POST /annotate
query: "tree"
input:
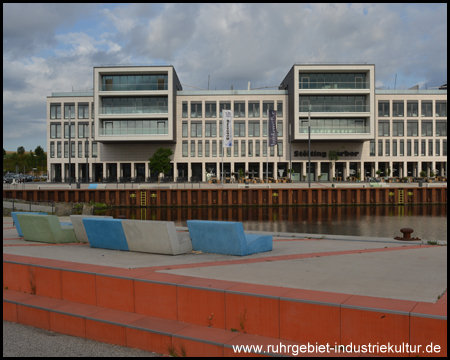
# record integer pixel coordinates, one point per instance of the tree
(160, 161)
(39, 151)
(21, 150)
(4, 152)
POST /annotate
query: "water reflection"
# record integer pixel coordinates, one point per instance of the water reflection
(428, 221)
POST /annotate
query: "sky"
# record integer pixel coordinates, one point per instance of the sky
(54, 47)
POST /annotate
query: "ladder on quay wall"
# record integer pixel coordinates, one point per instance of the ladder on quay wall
(400, 197)
(144, 198)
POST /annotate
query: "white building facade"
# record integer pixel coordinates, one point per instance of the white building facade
(134, 110)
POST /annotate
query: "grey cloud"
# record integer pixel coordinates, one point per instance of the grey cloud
(27, 28)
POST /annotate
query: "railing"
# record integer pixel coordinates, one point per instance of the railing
(336, 130)
(334, 108)
(131, 131)
(161, 109)
(133, 87)
(325, 85)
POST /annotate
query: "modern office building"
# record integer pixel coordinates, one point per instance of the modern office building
(133, 110)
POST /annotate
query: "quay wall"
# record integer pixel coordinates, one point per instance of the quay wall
(237, 197)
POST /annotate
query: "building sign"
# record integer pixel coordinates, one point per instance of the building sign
(227, 128)
(272, 127)
(324, 154)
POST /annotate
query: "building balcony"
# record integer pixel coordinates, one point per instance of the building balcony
(333, 85)
(334, 108)
(126, 110)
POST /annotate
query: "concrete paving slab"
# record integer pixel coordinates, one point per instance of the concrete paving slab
(413, 274)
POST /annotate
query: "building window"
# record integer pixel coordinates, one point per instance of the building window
(207, 148)
(253, 109)
(229, 151)
(86, 149)
(272, 150)
(94, 149)
(423, 149)
(383, 108)
(220, 148)
(408, 148)
(55, 131)
(333, 104)
(250, 148)
(185, 148)
(134, 82)
(416, 147)
(427, 110)
(92, 110)
(257, 148)
(80, 149)
(267, 106)
(236, 148)
(398, 128)
(441, 128)
(438, 148)
(387, 147)
(210, 129)
(185, 129)
(196, 129)
(372, 147)
(398, 109)
(52, 149)
(214, 148)
(55, 111)
(441, 108)
(239, 129)
(412, 108)
(220, 128)
(242, 148)
(412, 128)
(253, 129)
(58, 149)
(83, 131)
(264, 128)
(280, 148)
(402, 147)
(279, 108)
(72, 131)
(72, 148)
(224, 106)
(135, 105)
(66, 149)
(92, 129)
(196, 109)
(430, 147)
(280, 129)
(444, 147)
(67, 109)
(239, 109)
(200, 149)
(184, 109)
(83, 111)
(383, 128)
(265, 148)
(192, 148)
(427, 128)
(210, 110)
(394, 147)
(380, 147)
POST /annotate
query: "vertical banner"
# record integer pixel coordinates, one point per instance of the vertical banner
(272, 128)
(227, 128)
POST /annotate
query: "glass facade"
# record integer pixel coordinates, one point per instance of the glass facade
(134, 82)
(134, 127)
(333, 104)
(335, 126)
(134, 105)
(333, 81)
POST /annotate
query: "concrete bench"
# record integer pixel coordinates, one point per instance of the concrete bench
(78, 225)
(225, 237)
(157, 237)
(16, 221)
(45, 229)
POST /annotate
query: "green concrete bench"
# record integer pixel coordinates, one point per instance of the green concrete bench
(45, 229)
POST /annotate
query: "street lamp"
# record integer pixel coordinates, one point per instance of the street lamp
(70, 147)
(309, 147)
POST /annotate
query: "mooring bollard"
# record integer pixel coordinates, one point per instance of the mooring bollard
(406, 235)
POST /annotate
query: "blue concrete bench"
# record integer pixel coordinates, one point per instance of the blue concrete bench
(157, 237)
(225, 237)
(16, 221)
